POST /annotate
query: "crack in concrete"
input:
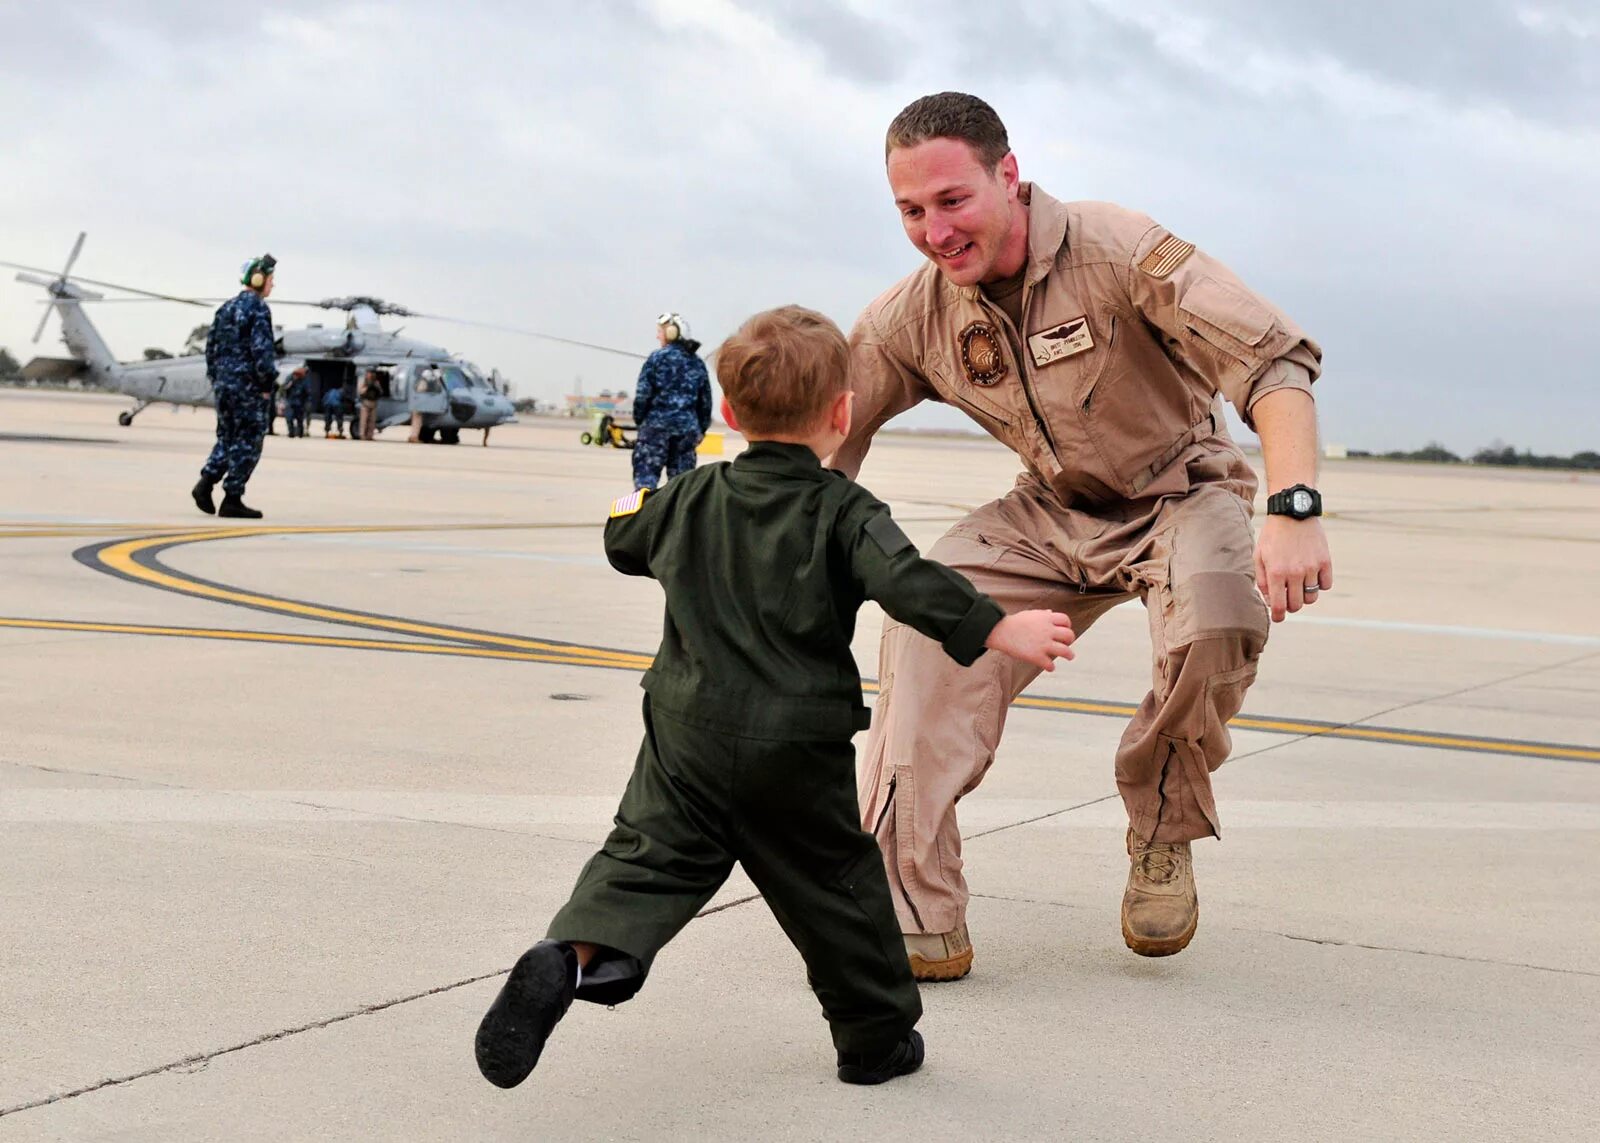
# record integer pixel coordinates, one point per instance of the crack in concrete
(199, 1060)
(1039, 818)
(1333, 942)
(1337, 943)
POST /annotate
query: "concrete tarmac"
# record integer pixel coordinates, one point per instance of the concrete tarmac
(279, 804)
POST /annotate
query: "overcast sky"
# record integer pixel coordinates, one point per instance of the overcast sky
(1416, 181)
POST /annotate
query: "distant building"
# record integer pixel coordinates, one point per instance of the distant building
(583, 405)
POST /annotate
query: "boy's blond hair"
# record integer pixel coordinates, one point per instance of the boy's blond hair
(782, 370)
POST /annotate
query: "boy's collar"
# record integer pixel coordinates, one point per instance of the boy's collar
(780, 456)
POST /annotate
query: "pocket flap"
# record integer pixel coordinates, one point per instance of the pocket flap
(1229, 309)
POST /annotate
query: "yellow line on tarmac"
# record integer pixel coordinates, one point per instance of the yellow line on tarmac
(120, 558)
(579, 657)
(1365, 733)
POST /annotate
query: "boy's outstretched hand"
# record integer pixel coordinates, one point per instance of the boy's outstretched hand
(1037, 637)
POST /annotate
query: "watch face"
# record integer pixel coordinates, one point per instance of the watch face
(1300, 502)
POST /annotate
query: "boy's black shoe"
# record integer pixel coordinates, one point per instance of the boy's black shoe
(903, 1059)
(531, 1003)
(234, 505)
(203, 499)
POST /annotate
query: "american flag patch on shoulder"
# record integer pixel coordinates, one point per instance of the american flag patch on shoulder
(1166, 256)
(628, 505)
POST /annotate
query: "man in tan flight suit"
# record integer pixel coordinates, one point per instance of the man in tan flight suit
(1093, 343)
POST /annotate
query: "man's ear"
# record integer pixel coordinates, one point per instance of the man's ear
(839, 413)
(727, 415)
(1010, 175)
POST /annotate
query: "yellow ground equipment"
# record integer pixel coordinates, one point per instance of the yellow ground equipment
(607, 430)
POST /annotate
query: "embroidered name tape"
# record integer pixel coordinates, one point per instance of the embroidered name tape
(1064, 340)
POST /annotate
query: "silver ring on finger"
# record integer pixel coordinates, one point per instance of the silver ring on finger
(1310, 589)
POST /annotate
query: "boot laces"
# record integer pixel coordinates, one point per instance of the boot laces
(1158, 863)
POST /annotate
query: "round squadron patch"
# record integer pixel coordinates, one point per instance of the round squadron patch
(981, 356)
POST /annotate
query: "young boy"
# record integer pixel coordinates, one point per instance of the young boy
(749, 712)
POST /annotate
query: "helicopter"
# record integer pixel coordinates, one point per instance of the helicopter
(442, 391)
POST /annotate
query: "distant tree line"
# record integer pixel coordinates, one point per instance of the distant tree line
(1504, 455)
(8, 364)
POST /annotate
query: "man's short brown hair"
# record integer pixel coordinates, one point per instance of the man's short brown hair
(951, 115)
(782, 369)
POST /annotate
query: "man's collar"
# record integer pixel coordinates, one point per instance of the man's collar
(1047, 233)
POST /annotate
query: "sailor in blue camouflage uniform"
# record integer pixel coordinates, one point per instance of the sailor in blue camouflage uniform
(671, 405)
(242, 367)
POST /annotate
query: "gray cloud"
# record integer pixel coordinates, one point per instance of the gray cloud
(1419, 191)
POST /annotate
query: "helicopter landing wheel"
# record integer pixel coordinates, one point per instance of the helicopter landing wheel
(124, 419)
(450, 436)
(586, 438)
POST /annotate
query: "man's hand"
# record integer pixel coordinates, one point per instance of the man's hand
(1037, 637)
(1293, 566)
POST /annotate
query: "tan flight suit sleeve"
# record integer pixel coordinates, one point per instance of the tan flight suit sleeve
(884, 388)
(1215, 324)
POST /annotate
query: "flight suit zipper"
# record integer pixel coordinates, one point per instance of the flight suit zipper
(1016, 353)
(877, 827)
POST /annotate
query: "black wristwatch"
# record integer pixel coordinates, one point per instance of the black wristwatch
(1298, 502)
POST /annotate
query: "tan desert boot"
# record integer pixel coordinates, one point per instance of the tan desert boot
(1160, 909)
(939, 956)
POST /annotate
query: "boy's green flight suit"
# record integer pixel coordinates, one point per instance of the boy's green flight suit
(749, 712)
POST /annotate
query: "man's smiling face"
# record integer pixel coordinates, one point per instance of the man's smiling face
(964, 217)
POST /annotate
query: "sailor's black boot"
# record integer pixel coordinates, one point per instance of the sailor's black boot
(233, 505)
(202, 497)
(532, 1002)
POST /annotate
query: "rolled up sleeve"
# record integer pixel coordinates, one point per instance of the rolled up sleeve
(1219, 327)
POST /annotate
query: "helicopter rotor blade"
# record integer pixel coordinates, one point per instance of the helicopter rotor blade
(77, 248)
(110, 285)
(43, 318)
(531, 333)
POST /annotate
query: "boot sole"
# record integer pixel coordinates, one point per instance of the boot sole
(513, 1032)
(902, 1065)
(1165, 946)
(953, 968)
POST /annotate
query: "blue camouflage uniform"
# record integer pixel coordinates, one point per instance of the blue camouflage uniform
(242, 365)
(296, 398)
(672, 407)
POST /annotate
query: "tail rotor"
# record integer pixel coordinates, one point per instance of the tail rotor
(77, 248)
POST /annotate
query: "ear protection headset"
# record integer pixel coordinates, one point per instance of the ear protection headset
(674, 324)
(258, 270)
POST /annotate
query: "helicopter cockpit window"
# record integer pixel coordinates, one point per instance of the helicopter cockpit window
(454, 379)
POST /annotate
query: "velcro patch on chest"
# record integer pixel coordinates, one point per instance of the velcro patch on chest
(1064, 340)
(1166, 256)
(887, 535)
(628, 505)
(981, 355)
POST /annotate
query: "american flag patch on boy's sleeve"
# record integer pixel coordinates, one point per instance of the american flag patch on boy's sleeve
(628, 505)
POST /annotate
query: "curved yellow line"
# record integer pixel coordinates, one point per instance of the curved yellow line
(638, 662)
(120, 558)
